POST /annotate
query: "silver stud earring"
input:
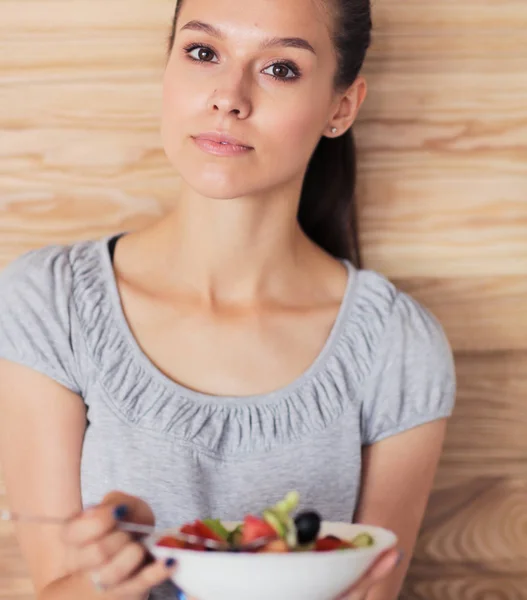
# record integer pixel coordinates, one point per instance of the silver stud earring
(333, 130)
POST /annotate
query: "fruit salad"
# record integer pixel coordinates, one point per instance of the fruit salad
(275, 528)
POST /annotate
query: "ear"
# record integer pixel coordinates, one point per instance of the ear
(346, 108)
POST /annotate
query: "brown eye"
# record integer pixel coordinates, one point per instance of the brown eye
(283, 71)
(205, 54)
(202, 54)
(280, 71)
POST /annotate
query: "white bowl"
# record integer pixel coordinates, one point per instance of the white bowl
(292, 576)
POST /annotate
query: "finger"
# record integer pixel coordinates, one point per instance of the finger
(102, 551)
(137, 510)
(385, 565)
(123, 565)
(91, 526)
(147, 578)
(382, 568)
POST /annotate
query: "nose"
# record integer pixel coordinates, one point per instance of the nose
(231, 97)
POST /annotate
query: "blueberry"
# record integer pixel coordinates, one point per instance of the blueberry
(307, 527)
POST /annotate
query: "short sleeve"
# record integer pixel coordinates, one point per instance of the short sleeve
(413, 380)
(35, 314)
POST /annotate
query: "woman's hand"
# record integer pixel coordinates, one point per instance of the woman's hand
(111, 558)
(381, 569)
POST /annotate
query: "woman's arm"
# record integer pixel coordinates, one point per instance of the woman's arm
(398, 475)
(41, 433)
(42, 428)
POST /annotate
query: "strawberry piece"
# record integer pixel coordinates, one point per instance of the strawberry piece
(197, 547)
(188, 529)
(170, 542)
(200, 530)
(255, 528)
(328, 543)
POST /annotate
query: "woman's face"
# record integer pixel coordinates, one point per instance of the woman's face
(248, 92)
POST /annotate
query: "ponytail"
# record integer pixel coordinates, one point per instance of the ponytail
(327, 212)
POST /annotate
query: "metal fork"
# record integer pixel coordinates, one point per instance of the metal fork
(7, 515)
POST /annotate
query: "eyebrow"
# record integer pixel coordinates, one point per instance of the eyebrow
(275, 42)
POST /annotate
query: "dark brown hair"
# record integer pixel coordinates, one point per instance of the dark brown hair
(328, 211)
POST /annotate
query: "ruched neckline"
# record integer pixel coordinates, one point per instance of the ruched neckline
(149, 399)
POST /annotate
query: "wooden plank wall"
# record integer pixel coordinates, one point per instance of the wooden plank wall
(443, 170)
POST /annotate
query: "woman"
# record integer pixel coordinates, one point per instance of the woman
(234, 350)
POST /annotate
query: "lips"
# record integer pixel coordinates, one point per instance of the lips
(222, 138)
(221, 144)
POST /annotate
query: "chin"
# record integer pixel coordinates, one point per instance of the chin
(220, 187)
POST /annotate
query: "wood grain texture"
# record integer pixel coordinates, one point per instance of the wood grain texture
(478, 313)
(476, 531)
(442, 187)
(443, 140)
(473, 540)
(488, 435)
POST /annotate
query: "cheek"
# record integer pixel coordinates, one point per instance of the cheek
(302, 124)
(297, 129)
(178, 101)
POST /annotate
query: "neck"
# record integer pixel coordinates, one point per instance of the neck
(231, 249)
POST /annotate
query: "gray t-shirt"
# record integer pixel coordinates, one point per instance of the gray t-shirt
(385, 368)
